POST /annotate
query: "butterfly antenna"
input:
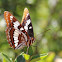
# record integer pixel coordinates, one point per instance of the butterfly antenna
(42, 32)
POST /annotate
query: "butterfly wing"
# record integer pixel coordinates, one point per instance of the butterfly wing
(15, 32)
(27, 24)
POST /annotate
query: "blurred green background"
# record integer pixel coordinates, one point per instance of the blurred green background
(46, 17)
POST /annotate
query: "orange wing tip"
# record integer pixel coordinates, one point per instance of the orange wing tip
(5, 12)
(25, 14)
(26, 11)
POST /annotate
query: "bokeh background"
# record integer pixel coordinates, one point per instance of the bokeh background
(46, 17)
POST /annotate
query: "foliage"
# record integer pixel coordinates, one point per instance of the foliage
(24, 58)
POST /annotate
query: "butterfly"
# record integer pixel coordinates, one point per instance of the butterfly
(19, 34)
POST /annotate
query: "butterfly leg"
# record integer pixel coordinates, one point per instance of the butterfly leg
(27, 50)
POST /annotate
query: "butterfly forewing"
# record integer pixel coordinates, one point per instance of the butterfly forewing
(27, 24)
(14, 32)
(9, 18)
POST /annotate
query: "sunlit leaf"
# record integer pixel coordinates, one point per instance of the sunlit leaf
(50, 57)
(38, 57)
(26, 56)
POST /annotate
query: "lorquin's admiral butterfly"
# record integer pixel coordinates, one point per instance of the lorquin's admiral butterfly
(19, 34)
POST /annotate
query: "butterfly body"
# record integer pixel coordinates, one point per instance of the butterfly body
(19, 34)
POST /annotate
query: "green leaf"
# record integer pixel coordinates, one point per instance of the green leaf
(50, 57)
(26, 56)
(20, 58)
(5, 58)
(38, 57)
(30, 51)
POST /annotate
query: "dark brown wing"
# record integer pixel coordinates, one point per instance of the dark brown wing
(27, 24)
